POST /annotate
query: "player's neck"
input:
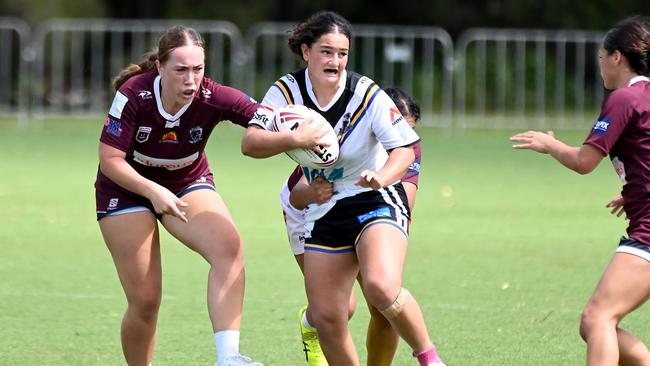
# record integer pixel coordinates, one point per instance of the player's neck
(324, 93)
(170, 105)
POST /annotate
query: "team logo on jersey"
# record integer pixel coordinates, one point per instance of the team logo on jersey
(290, 78)
(206, 93)
(345, 124)
(113, 127)
(196, 134)
(601, 126)
(144, 94)
(143, 134)
(395, 116)
(170, 137)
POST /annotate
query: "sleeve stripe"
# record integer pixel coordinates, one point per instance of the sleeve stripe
(280, 84)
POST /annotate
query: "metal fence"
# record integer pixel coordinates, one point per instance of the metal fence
(501, 78)
(527, 78)
(75, 60)
(14, 37)
(418, 59)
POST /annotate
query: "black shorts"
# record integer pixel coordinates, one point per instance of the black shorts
(340, 229)
(124, 202)
(634, 247)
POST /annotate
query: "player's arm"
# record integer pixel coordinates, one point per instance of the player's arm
(113, 165)
(261, 143)
(303, 194)
(398, 162)
(411, 191)
(583, 159)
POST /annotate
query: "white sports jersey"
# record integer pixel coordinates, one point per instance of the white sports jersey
(365, 119)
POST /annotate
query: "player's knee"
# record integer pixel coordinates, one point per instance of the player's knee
(145, 306)
(326, 319)
(397, 306)
(352, 306)
(595, 317)
(379, 294)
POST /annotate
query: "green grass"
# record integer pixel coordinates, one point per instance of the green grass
(506, 247)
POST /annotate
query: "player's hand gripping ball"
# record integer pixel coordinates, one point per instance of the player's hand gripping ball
(289, 118)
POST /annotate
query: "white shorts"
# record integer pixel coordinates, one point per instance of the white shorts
(295, 222)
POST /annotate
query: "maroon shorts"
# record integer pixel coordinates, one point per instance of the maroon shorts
(111, 199)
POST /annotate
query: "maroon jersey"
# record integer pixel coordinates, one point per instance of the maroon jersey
(623, 132)
(166, 149)
(413, 173)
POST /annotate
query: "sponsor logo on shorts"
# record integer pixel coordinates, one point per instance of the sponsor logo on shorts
(380, 212)
(112, 203)
(196, 134)
(113, 127)
(601, 126)
(143, 134)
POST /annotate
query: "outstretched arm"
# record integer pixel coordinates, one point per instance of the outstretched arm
(583, 159)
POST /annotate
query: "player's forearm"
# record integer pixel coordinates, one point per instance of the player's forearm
(398, 162)
(120, 172)
(258, 143)
(571, 157)
(301, 196)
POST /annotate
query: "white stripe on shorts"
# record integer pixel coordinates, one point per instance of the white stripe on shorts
(634, 251)
(399, 213)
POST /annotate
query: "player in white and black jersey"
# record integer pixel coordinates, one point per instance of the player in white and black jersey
(363, 227)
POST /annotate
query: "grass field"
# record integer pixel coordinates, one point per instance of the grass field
(506, 247)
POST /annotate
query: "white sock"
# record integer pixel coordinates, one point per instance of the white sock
(305, 322)
(227, 342)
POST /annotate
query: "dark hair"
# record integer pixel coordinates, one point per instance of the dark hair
(631, 37)
(172, 38)
(404, 102)
(313, 28)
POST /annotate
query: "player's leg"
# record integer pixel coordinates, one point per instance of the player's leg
(381, 250)
(211, 232)
(632, 352)
(133, 242)
(381, 339)
(329, 278)
(624, 286)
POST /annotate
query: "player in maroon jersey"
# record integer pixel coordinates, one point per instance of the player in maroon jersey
(152, 166)
(622, 131)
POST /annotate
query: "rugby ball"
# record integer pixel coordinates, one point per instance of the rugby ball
(289, 118)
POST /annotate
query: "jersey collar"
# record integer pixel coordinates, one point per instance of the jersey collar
(172, 121)
(310, 91)
(636, 79)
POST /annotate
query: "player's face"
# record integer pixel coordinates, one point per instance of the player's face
(608, 67)
(181, 75)
(327, 58)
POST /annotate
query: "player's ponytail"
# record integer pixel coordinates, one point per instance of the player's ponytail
(148, 63)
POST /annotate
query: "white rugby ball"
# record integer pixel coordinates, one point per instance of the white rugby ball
(289, 117)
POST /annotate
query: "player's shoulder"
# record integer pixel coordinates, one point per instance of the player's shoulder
(625, 97)
(216, 94)
(359, 84)
(140, 85)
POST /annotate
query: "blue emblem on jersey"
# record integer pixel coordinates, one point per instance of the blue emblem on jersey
(601, 126)
(196, 134)
(380, 212)
(113, 127)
